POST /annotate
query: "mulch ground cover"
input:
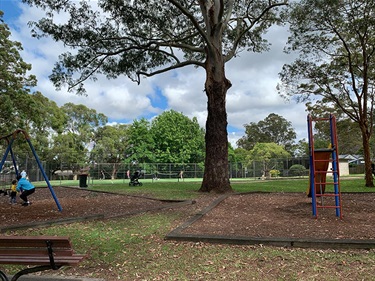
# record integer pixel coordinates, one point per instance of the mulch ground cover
(249, 215)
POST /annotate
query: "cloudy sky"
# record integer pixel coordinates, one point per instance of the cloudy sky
(252, 97)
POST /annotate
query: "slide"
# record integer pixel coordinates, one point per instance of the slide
(321, 166)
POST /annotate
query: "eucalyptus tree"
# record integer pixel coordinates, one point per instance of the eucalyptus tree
(49, 120)
(16, 105)
(71, 145)
(20, 107)
(335, 41)
(348, 131)
(274, 128)
(147, 37)
(109, 145)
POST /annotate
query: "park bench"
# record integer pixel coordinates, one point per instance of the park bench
(41, 252)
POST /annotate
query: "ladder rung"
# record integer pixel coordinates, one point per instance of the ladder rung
(327, 195)
(328, 207)
(327, 182)
(320, 119)
(330, 156)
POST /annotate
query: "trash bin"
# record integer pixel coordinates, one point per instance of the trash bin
(83, 180)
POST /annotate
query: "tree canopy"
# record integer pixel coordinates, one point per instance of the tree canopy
(266, 152)
(274, 128)
(335, 41)
(148, 37)
(16, 105)
(177, 139)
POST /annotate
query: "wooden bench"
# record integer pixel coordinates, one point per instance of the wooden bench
(42, 252)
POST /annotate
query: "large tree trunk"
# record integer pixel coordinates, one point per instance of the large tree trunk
(367, 156)
(216, 173)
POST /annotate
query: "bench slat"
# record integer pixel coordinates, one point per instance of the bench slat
(40, 261)
(41, 252)
(35, 251)
(34, 241)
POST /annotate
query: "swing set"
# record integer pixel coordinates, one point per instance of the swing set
(10, 139)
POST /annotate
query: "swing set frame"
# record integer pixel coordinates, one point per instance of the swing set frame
(10, 139)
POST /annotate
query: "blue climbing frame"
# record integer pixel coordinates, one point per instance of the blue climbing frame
(316, 173)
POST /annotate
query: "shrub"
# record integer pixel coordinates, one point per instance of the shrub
(274, 173)
(297, 170)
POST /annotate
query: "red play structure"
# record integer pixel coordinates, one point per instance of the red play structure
(319, 168)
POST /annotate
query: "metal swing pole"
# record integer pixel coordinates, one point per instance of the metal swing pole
(44, 174)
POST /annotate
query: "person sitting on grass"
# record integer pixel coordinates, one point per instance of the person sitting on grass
(26, 189)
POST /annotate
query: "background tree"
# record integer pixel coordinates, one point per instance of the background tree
(348, 131)
(148, 37)
(266, 152)
(49, 120)
(177, 139)
(301, 149)
(72, 144)
(110, 143)
(141, 146)
(335, 41)
(274, 128)
(19, 106)
(16, 105)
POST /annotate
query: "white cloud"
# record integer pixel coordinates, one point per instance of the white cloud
(252, 97)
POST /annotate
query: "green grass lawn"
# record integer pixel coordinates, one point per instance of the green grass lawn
(172, 189)
(134, 248)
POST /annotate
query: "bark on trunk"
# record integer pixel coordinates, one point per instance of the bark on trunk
(216, 173)
(367, 156)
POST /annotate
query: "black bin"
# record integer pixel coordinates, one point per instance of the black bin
(83, 180)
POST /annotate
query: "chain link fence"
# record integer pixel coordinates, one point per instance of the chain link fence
(294, 167)
(273, 168)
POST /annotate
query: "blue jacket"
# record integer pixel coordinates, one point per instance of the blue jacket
(24, 184)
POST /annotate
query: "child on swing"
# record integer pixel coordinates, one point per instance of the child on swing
(13, 192)
(25, 187)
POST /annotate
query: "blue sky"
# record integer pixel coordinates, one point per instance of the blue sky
(252, 97)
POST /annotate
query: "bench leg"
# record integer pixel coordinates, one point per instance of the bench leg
(3, 277)
(31, 270)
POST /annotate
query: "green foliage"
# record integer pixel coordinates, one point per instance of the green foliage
(335, 45)
(267, 151)
(177, 139)
(241, 154)
(16, 105)
(71, 143)
(274, 173)
(297, 170)
(273, 128)
(110, 143)
(141, 37)
(348, 131)
(301, 149)
(140, 146)
(149, 37)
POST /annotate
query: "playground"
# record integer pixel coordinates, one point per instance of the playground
(138, 227)
(252, 214)
(258, 218)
